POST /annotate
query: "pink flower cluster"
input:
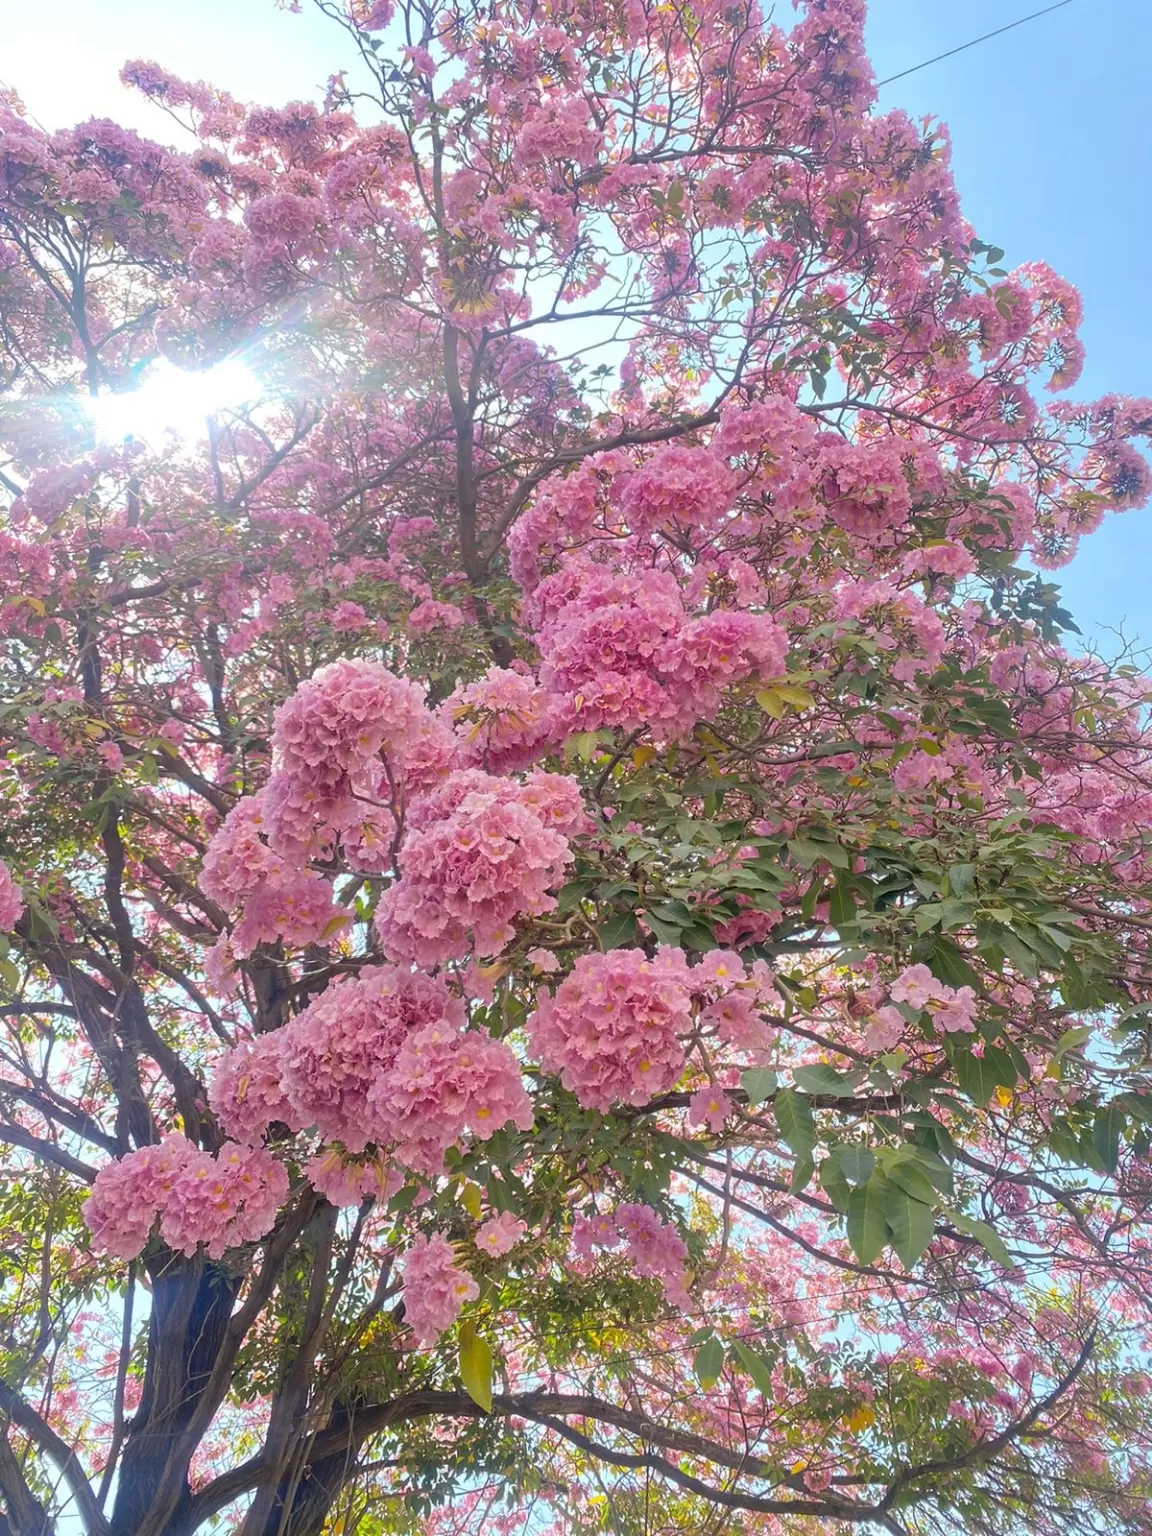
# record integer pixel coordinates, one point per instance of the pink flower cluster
(280, 900)
(655, 1248)
(343, 742)
(613, 1030)
(500, 1234)
(11, 900)
(343, 718)
(442, 1084)
(219, 1201)
(505, 720)
(677, 485)
(953, 1008)
(435, 1288)
(481, 851)
(385, 1059)
(625, 650)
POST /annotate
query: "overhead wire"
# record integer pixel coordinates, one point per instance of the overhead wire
(1060, 4)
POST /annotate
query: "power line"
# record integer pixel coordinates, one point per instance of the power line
(1058, 6)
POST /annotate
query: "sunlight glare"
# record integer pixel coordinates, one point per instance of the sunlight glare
(171, 400)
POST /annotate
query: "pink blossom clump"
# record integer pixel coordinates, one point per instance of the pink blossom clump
(504, 720)
(625, 651)
(11, 900)
(282, 218)
(677, 485)
(481, 852)
(216, 1201)
(435, 1289)
(246, 1089)
(383, 1058)
(613, 1028)
(431, 615)
(500, 1234)
(655, 1249)
(953, 1008)
(344, 716)
(733, 1001)
(318, 1069)
(279, 900)
(442, 1083)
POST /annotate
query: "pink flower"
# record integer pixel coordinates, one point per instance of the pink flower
(956, 1013)
(435, 1289)
(500, 1234)
(885, 1029)
(323, 1068)
(347, 617)
(613, 1028)
(596, 1231)
(504, 721)
(952, 1008)
(111, 756)
(710, 1107)
(216, 1202)
(481, 852)
(441, 1084)
(915, 986)
(246, 1091)
(344, 716)
(283, 217)
(677, 485)
(430, 615)
(11, 900)
(657, 1251)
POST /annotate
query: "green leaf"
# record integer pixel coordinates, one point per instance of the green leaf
(709, 1362)
(759, 1083)
(833, 1182)
(476, 1366)
(802, 1173)
(948, 964)
(987, 1236)
(619, 932)
(842, 904)
(756, 1367)
(585, 743)
(980, 1076)
(794, 1117)
(1106, 1129)
(935, 1169)
(913, 1180)
(822, 1078)
(867, 1225)
(1137, 1104)
(665, 931)
(857, 1163)
(910, 1222)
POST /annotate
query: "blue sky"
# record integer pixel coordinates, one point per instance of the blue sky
(1051, 144)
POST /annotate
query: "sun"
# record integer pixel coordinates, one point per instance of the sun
(172, 401)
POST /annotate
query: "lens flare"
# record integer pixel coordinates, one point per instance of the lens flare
(171, 401)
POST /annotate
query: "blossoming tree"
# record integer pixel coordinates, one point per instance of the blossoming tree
(575, 936)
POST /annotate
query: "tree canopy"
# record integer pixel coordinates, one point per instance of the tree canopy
(576, 913)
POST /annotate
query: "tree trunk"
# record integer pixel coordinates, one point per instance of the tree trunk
(192, 1301)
